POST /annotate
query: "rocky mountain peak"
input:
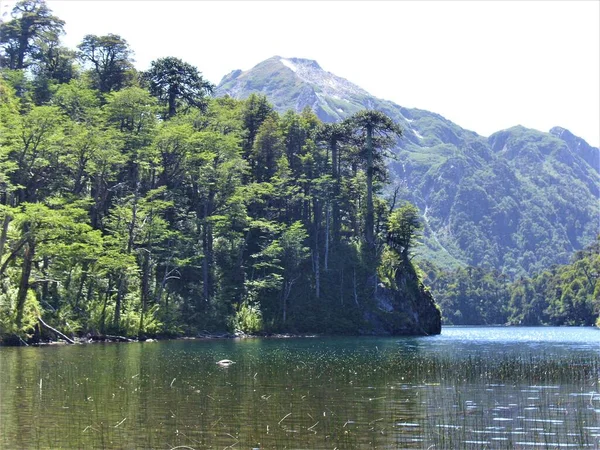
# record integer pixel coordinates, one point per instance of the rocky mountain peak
(579, 146)
(295, 83)
(309, 71)
(295, 63)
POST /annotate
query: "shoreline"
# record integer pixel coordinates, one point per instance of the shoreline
(108, 339)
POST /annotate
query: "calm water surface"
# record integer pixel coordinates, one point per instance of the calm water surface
(468, 388)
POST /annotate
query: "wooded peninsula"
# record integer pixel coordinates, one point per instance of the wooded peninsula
(136, 204)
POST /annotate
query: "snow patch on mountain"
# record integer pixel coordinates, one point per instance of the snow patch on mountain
(289, 64)
(331, 85)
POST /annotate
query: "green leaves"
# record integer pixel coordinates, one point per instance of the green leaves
(109, 57)
(32, 26)
(177, 84)
(404, 228)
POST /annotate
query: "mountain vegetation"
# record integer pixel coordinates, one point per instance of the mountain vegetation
(495, 210)
(560, 295)
(518, 202)
(135, 204)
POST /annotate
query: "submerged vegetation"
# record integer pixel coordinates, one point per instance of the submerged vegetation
(467, 389)
(133, 203)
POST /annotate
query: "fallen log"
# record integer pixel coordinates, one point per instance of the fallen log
(111, 338)
(68, 339)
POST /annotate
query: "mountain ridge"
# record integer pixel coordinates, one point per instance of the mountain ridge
(306, 69)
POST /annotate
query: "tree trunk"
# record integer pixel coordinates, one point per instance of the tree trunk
(66, 338)
(206, 263)
(145, 289)
(4, 235)
(119, 301)
(317, 274)
(172, 105)
(317, 253)
(369, 219)
(354, 286)
(287, 289)
(84, 274)
(207, 248)
(335, 169)
(130, 241)
(45, 283)
(99, 194)
(342, 287)
(24, 283)
(23, 46)
(105, 304)
(327, 216)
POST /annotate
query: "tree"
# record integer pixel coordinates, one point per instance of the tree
(370, 123)
(37, 152)
(132, 111)
(110, 57)
(40, 226)
(112, 220)
(268, 147)
(55, 65)
(177, 83)
(33, 25)
(277, 266)
(78, 101)
(334, 135)
(293, 254)
(255, 111)
(404, 229)
(214, 173)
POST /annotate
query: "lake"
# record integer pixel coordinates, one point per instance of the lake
(470, 387)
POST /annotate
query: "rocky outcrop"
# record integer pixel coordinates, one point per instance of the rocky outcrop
(407, 310)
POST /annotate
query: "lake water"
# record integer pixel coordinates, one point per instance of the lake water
(469, 387)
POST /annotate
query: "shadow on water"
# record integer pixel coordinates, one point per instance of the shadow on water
(468, 388)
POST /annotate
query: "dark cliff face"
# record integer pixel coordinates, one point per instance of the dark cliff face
(409, 310)
(518, 201)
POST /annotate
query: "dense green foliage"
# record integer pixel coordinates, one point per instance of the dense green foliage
(136, 204)
(562, 295)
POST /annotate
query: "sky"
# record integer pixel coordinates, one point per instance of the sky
(485, 65)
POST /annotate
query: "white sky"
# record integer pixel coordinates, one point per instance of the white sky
(484, 65)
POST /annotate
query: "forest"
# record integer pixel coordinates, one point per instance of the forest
(135, 203)
(560, 295)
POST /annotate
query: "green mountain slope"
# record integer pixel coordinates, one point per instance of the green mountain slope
(518, 201)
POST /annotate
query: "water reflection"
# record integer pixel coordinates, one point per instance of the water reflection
(468, 388)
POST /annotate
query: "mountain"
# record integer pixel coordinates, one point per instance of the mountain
(518, 201)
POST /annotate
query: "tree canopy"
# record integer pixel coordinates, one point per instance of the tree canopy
(110, 59)
(176, 83)
(23, 38)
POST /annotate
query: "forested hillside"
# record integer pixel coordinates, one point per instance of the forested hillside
(135, 203)
(517, 202)
(560, 295)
